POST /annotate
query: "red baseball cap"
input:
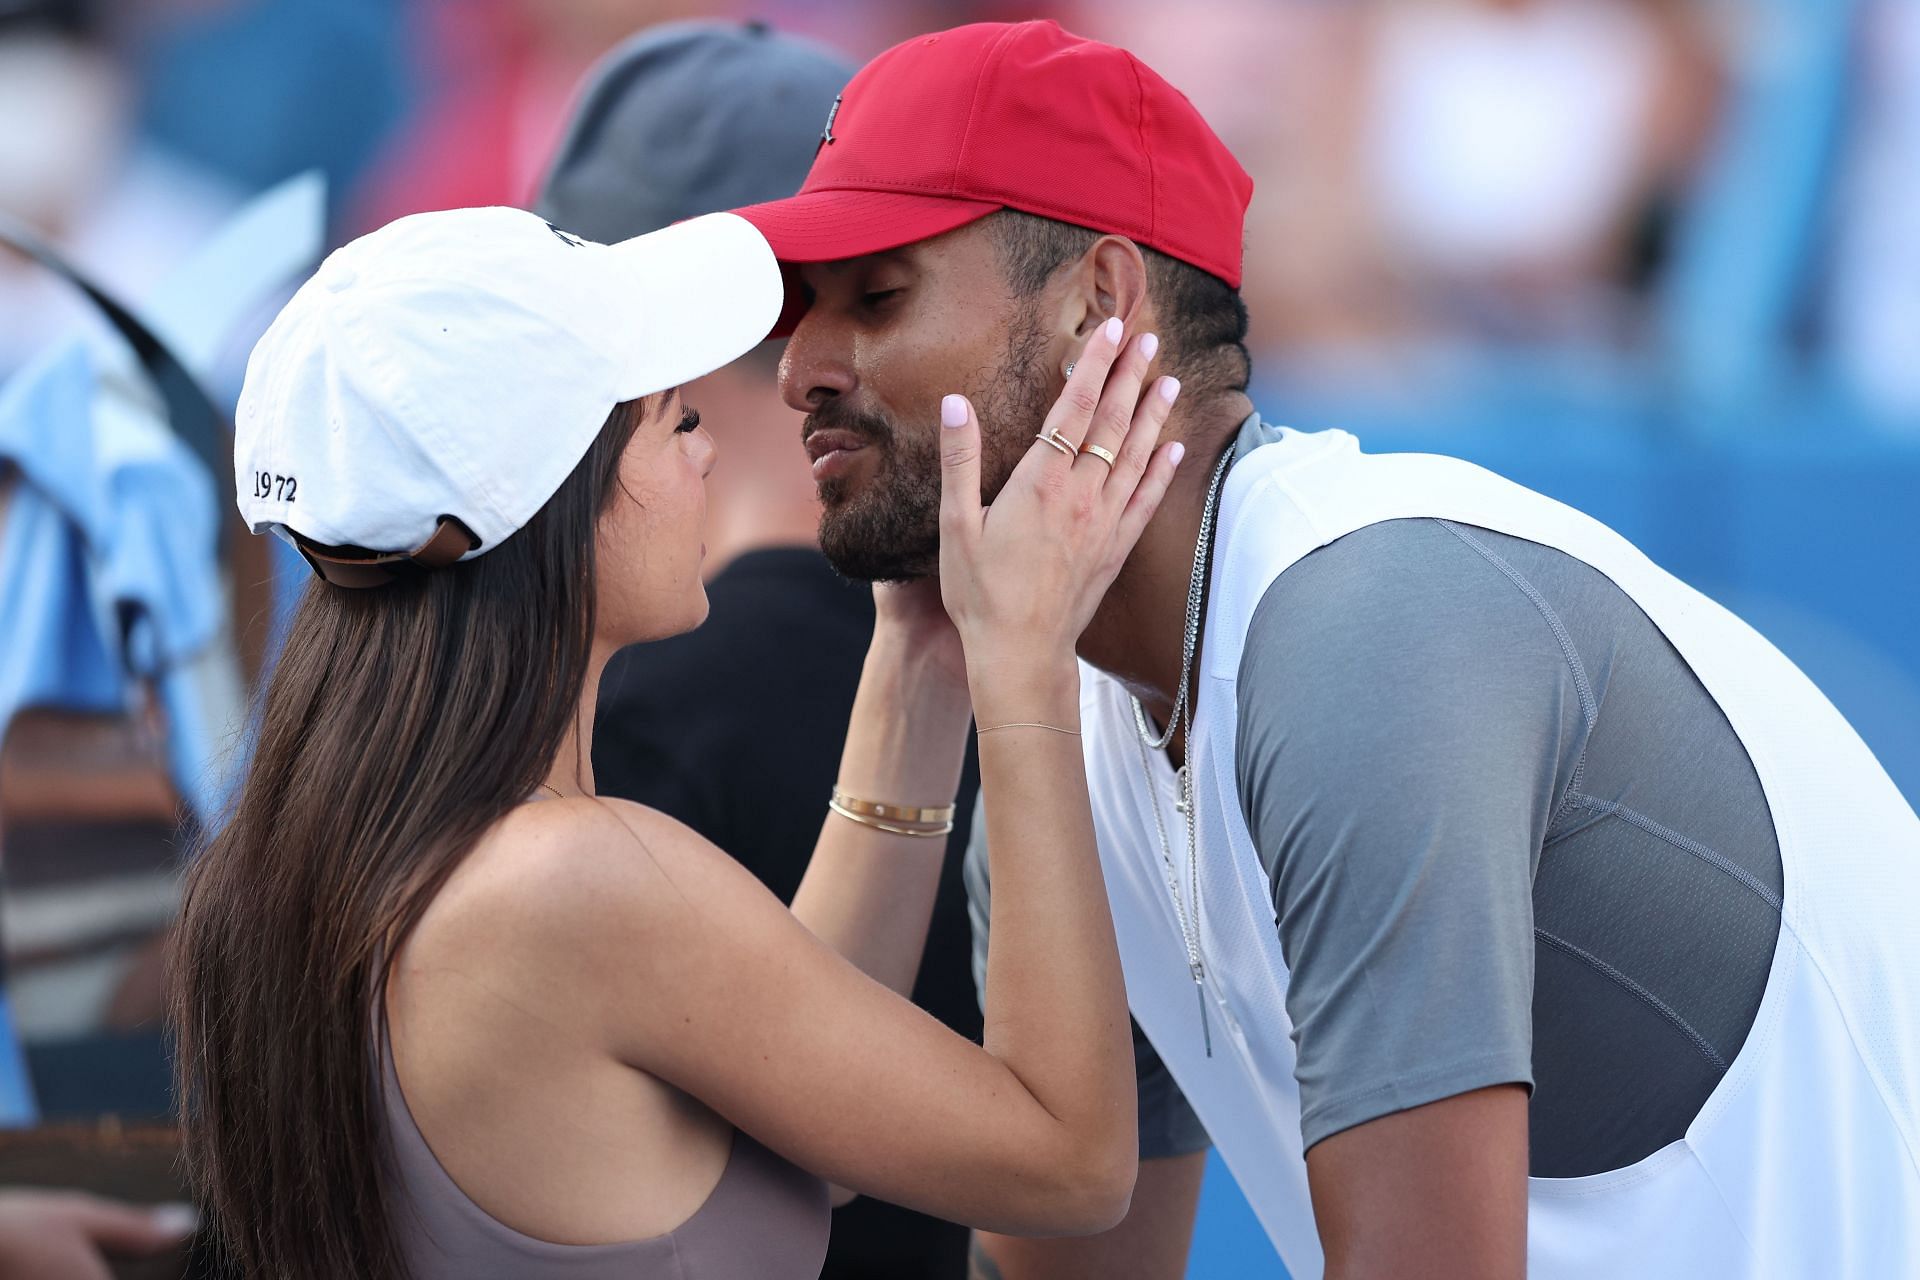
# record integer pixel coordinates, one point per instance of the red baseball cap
(944, 129)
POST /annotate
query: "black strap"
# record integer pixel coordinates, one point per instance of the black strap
(190, 412)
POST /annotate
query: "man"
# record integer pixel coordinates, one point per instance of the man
(736, 729)
(1449, 841)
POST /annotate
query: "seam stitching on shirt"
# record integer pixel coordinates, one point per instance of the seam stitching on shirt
(1589, 705)
(1686, 844)
(1639, 992)
(1573, 788)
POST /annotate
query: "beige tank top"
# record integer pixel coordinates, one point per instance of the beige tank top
(765, 1219)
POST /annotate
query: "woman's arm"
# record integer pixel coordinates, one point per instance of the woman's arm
(868, 894)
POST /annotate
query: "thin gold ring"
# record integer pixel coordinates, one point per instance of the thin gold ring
(1105, 455)
(1059, 442)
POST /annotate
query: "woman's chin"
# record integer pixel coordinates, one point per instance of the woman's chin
(698, 614)
(681, 621)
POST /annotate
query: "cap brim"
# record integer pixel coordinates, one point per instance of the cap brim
(704, 292)
(829, 225)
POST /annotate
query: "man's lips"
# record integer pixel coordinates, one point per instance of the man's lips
(831, 450)
(828, 440)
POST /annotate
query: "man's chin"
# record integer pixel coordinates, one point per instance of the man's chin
(864, 553)
(880, 522)
(862, 564)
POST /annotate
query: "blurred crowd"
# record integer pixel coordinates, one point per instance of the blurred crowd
(1439, 181)
(1678, 221)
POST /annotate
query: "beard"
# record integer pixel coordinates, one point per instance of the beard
(888, 528)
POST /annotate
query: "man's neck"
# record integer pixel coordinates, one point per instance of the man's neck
(1138, 633)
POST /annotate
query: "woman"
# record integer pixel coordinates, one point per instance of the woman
(443, 1012)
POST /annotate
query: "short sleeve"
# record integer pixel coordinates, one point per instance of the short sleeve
(1168, 1125)
(1405, 717)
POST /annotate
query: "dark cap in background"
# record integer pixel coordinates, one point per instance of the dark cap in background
(66, 17)
(686, 119)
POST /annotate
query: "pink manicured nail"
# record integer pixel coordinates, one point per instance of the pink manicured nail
(1149, 345)
(1113, 330)
(1176, 451)
(1169, 389)
(953, 411)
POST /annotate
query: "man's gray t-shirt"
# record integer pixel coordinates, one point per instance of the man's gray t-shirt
(1511, 839)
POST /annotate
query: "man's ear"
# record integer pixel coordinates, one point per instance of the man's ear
(1110, 279)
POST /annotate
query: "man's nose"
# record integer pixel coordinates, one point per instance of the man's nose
(815, 366)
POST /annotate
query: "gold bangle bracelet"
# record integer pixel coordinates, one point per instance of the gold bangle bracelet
(934, 832)
(894, 812)
(1025, 724)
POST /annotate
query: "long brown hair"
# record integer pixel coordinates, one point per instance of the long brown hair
(400, 723)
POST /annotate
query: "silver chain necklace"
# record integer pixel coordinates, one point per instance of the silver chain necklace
(1182, 719)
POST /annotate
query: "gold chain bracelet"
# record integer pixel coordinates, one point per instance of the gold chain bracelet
(1025, 724)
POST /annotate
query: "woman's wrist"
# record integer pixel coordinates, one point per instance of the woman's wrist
(1024, 688)
(907, 739)
(924, 680)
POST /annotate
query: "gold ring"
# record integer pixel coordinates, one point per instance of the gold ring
(1105, 455)
(1055, 439)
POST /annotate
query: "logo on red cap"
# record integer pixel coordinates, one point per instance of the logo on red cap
(826, 134)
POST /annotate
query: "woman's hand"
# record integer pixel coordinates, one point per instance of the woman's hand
(1021, 580)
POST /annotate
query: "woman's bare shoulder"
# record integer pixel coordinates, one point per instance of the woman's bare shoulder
(581, 857)
(569, 906)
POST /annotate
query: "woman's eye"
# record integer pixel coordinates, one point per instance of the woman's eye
(689, 420)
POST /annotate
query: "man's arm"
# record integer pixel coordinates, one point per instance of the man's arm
(1410, 711)
(1150, 1243)
(1439, 1191)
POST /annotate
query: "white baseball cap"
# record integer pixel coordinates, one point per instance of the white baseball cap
(460, 364)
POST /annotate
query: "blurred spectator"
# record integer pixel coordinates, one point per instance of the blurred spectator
(74, 168)
(222, 86)
(1439, 173)
(500, 77)
(1518, 150)
(1875, 290)
(49, 1235)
